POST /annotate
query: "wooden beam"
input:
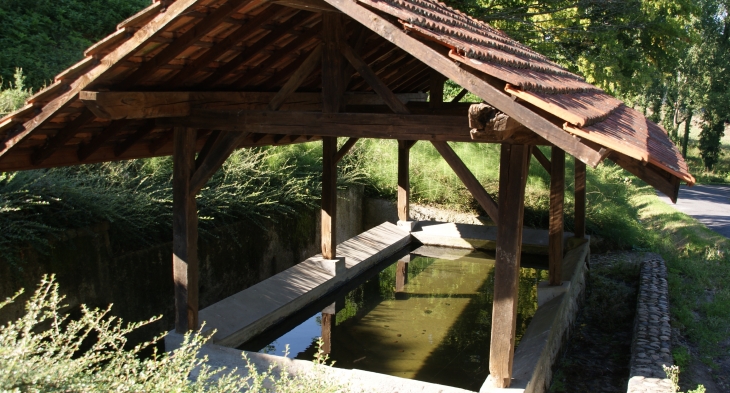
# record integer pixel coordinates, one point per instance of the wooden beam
(470, 181)
(556, 225)
(247, 54)
(135, 137)
(267, 64)
(514, 163)
(221, 149)
(579, 226)
(359, 125)
(239, 35)
(209, 142)
(654, 176)
(544, 160)
(381, 89)
(293, 83)
(62, 136)
(332, 68)
(185, 233)
(309, 5)
(459, 96)
(349, 144)
(404, 181)
(460, 74)
(436, 89)
(87, 149)
(198, 31)
(160, 142)
(333, 32)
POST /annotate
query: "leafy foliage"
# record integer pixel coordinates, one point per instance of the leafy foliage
(15, 95)
(45, 351)
(44, 37)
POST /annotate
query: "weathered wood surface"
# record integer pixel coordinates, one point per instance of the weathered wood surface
(486, 122)
(514, 164)
(302, 73)
(580, 200)
(329, 197)
(144, 105)
(184, 233)
(556, 226)
(346, 147)
(62, 136)
(249, 312)
(457, 72)
(655, 177)
(404, 181)
(470, 181)
(544, 161)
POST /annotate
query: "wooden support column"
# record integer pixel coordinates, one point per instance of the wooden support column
(436, 89)
(327, 323)
(332, 80)
(404, 180)
(556, 228)
(184, 232)
(514, 163)
(580, 199)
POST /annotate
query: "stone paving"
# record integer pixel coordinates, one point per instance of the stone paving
(651, 348)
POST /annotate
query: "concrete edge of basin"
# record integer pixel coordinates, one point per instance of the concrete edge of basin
(539, 346)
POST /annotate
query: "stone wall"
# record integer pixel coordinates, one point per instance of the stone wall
(651, 347)
(139, 282)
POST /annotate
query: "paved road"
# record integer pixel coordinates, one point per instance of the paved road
(709, 204)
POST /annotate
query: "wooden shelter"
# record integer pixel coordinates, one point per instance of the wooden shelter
(197, 79)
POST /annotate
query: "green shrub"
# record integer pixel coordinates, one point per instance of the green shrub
(15, 95)
(45, 351)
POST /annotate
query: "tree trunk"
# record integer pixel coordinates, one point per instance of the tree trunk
(685, 138)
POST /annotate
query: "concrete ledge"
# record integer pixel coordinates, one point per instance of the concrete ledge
(355, 380)
(469, 236)
(249, 312)
(534, 357)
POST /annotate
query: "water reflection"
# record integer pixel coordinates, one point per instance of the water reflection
(422, 317)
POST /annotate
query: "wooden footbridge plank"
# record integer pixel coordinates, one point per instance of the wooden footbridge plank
(249, 312)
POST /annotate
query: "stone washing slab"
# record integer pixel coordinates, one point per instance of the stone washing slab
(245, 314)
(470, 236)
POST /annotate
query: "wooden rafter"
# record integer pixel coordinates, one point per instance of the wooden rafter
(182, 43)
(381, 89)
(135, 137)
(62, 136)
(160, 142)
(444, 65)
(248, 53)
(461, 95)
(305, 69)
(280, 53)
(224, 45)
(86, 150)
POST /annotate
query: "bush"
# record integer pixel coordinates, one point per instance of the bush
(15, 95)
(45, 351)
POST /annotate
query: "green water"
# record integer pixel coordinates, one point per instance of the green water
(435, 329)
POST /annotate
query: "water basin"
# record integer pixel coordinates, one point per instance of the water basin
(426, 316)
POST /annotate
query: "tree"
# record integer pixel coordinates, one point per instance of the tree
(44, 37)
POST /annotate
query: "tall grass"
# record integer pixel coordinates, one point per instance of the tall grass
(135, 197)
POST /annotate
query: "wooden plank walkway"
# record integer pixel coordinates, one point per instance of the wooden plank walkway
(239, 317)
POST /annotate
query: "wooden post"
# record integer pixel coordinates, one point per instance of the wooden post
(401, 274)
(404, 182)
(556, 228)
(514, 162)
(327, 322)
(185, 232)
(580, 199)
(436, 89)
(332, 67)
